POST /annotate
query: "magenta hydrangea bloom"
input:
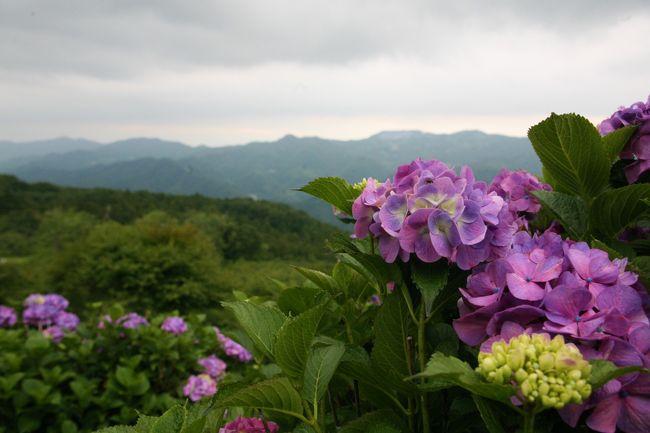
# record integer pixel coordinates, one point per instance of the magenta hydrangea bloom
(54, 332)
(515, 188)
(174, 325)
(637, 150)
(132, 321)
(565, 287)
(199, 386)
(66, 321)
(213, 366)
(232, 348)
(249, 425)
(7, 317)
(430, 211)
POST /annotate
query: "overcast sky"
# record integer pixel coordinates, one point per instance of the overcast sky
(228, 72)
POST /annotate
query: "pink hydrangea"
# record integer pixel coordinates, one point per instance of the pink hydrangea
(213, 366)
(199, 386)
(249, 425)
(174, 325)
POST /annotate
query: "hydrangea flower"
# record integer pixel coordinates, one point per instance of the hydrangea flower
(515, 188)
(199, 386)
(213, 366)
(42, 310)
(7, 317)
(566, 288)
(104, 320)
(66, 321)
(174, 325)
(546, 372)
(54, 332)
(249, 425)
(637, 150)
(232, 348)
(132, 321)
(430, 211)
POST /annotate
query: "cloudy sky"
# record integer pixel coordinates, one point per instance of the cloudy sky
(227, 72)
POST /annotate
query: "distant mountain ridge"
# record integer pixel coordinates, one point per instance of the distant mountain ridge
(266, 170)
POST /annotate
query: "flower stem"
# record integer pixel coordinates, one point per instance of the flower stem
(422, 354)
(529, 422)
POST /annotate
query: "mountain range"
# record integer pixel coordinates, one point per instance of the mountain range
(265, 170)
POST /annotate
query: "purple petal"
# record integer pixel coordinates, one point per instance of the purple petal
(525, 290)
(635, 414)
(564, 305)
(522, 314)
(604, 416)
(623, 298)
(443, 233)
(393, 213)
(471, 227)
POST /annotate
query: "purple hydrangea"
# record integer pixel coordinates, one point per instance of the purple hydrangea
(54, 332)
(174, 325)
(199, 386)
(132, 321)
(637, 150)
(249, 425)
(7, 317)
(547, 284)
(66, 321)
(42, 310)
(213, 366)
(430, 211)
(232, 348)
(515, 188)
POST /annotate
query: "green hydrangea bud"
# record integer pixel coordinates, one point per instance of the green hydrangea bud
(547, 371)
(360, 186)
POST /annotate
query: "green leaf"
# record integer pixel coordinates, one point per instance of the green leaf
(615, 141)
(274, 394)
(373, 267)
(378, 419)
(572, 152)
(430, 279)
(447, 371)
(145, 423)
(35, 389)
(260, 322)
(296, 300)
(37, 342)
(489, 415)
(569, 209)
(171, 421)
(603, 371)
(390, 356)
(320, 368)
(135, 383)
(322, 280)
(118, 429)
(294, 340)
(333, 190)
(615, 209)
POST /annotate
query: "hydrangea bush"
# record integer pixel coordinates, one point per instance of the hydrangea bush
(460, 305)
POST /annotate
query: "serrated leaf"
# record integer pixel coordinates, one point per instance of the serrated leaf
(603, 371)
(145, 424)
(572, 152)
(430, 279)
(445, 371)
(320, 368)
(171, 421)
(615, 209)
(118, 429)
(569, 209)
(334, 190)
(488, 414)
(615, 141)
(373, 420)
(320, 279)
(294, 339)
(260, 322)
(373, 267)
(274, 394)
(296, 300)
(393, 326)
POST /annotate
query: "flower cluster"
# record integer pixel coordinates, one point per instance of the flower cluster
(515, 188)
(213, 366)
(428, 210)
(546, 372)
(200, 386)
(131, 321)
(637, 150)
(7, 317)
(174, 325)
(547, 284)
(232, 348)
(48, 313)
(249, 425)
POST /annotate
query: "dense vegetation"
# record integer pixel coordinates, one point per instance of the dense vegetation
(154, 251)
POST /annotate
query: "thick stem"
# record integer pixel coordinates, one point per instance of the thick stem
(529, 422)
(422, 355)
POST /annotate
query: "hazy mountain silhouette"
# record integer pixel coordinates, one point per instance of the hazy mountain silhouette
(267, 170)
